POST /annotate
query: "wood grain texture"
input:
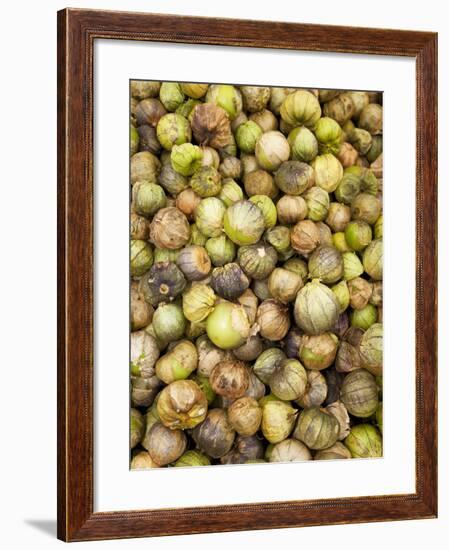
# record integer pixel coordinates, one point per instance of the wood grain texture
(77, 30)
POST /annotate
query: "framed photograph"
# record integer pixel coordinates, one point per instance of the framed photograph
(247, 311)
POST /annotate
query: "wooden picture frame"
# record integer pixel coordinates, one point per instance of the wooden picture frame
(77, 31)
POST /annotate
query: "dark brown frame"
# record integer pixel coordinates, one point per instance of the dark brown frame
(77, 30)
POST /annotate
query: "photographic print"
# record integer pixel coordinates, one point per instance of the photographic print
(246, 275)
(256, 274)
